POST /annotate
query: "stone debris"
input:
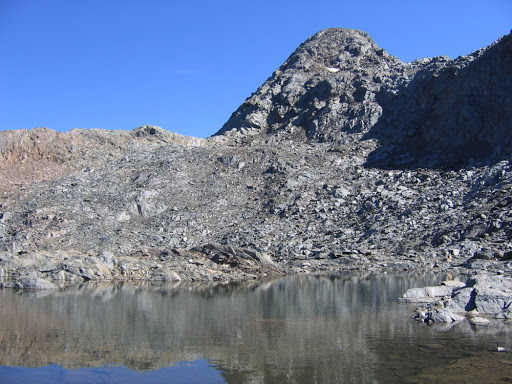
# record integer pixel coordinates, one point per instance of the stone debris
(478, 321)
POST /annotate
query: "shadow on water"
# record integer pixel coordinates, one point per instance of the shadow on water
(303, 329)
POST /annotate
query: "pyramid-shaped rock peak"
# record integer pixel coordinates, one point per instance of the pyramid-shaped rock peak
(328, 87)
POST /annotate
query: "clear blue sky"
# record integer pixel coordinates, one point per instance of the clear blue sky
(187, 65)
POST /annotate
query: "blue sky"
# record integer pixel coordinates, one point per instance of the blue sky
(187, 65)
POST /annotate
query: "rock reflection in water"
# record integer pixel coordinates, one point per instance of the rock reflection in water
(315, 329)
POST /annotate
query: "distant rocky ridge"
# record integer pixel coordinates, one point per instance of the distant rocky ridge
(39, 154)
(346, 158)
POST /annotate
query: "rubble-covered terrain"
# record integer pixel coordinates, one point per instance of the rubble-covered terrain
(345, 158)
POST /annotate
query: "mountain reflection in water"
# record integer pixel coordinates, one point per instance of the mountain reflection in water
(311, 329)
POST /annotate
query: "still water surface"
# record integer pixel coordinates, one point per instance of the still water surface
(298, 329)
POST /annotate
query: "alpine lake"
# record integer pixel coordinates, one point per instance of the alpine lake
(342, 328)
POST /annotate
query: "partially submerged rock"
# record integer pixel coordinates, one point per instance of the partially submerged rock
(462, 300)
(439, 315)
(426, 294)
(478, 321)
(482, 294)
(34, 283)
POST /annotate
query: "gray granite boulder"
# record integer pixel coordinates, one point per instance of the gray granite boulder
(440, 315)
(492, 300)
(462, 300)
(34, 283)
(426, 294)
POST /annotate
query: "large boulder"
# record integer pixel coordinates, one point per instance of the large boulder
(462, 300)
(492, 300)
(426, 294)
(34, 283)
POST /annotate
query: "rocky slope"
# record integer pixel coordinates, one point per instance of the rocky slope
(346, 158)
(29, 156)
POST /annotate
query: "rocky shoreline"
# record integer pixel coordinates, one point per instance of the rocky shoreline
(218, 212)
(222, 264)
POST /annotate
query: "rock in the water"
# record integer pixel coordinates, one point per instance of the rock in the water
(426, 294)
(438, 315)
(479, 321)
(461, 301)
(492, 300)
(34, 283)
(483, 294)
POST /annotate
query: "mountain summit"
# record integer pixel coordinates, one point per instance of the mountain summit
(328, 86)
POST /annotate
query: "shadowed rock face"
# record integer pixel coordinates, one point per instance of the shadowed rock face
(345, 158)
(450, 113)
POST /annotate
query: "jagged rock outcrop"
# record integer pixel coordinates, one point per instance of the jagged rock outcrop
(346, 158)
(490, 296)
(452, 112)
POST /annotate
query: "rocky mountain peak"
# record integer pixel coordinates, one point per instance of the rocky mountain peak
(339, 87)
(325, 89)
(264, 197)
(333, 48)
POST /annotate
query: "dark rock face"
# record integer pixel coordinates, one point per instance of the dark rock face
(346, 158)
